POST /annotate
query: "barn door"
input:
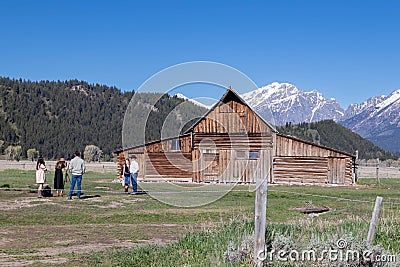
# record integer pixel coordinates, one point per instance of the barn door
(209, 166)
(336, 170)
(251, 165)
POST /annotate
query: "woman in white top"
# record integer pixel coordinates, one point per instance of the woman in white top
(40, 175)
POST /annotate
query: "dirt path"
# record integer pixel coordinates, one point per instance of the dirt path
(24, 245)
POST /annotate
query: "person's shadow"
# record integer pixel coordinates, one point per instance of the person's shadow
(83, 196)
(139, 193)
(87, 197)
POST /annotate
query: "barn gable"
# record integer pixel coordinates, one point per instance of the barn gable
(232, 115)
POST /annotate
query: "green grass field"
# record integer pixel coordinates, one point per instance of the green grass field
(109, 228)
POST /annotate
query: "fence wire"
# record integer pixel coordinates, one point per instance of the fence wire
(210, 191)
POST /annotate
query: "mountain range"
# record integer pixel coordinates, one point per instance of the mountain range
(376, 119)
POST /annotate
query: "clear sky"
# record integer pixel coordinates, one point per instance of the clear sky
(348, 49)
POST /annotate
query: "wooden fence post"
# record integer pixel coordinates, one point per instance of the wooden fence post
(374, 220)
(377, 171)
(260, 222)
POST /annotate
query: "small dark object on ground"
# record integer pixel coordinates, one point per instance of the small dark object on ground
(308, 210)
(46, 191)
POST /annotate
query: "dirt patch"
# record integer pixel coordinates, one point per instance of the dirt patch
(21, 246)
(28, 202)
(53, 255)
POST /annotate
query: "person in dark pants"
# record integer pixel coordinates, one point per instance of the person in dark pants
(58, 177)
(134, 169)
(77, 168)
(127, 175)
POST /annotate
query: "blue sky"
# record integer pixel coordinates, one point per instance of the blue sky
(348, 50)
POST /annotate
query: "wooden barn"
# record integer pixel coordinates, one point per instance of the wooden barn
(232, 143)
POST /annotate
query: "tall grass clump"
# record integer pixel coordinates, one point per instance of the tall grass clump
(206, 248)
(233, 245)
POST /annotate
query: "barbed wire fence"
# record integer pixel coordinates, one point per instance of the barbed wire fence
(120, 192)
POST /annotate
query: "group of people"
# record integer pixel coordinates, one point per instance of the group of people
(76, 167)
(130, 172)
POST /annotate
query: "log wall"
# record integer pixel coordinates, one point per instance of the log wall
(296, 161)
(168, 165)
(300, 170)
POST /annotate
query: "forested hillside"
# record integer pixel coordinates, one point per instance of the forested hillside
(58, 117)
(331, 134)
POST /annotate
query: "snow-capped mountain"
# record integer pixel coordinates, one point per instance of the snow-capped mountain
(290, 104)
(197, 103)
(355, 109)
(378, 119)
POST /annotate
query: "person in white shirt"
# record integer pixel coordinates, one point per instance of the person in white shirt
(134, 170)
(40, 175)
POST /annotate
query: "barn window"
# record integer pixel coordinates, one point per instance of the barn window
(254, 155)
(241, 154)
(176, 145)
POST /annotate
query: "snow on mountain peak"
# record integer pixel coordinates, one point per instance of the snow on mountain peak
(290, 104)
(272, 91)
(392, 98)
(181, 96)
(197, 103)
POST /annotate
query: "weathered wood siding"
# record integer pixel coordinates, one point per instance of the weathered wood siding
(287, 146)
(166, 145)
(300, 170)
(223, 141)
(231, 117)
(296, 161)
(340, 170)
(168, 165)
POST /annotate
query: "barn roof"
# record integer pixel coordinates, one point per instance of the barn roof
(148, 143)
(230, 95)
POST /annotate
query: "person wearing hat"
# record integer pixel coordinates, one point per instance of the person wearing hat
(58, 177)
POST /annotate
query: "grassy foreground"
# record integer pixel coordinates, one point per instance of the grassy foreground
(109, 228)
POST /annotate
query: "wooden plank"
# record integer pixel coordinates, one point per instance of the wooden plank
(260, 221)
